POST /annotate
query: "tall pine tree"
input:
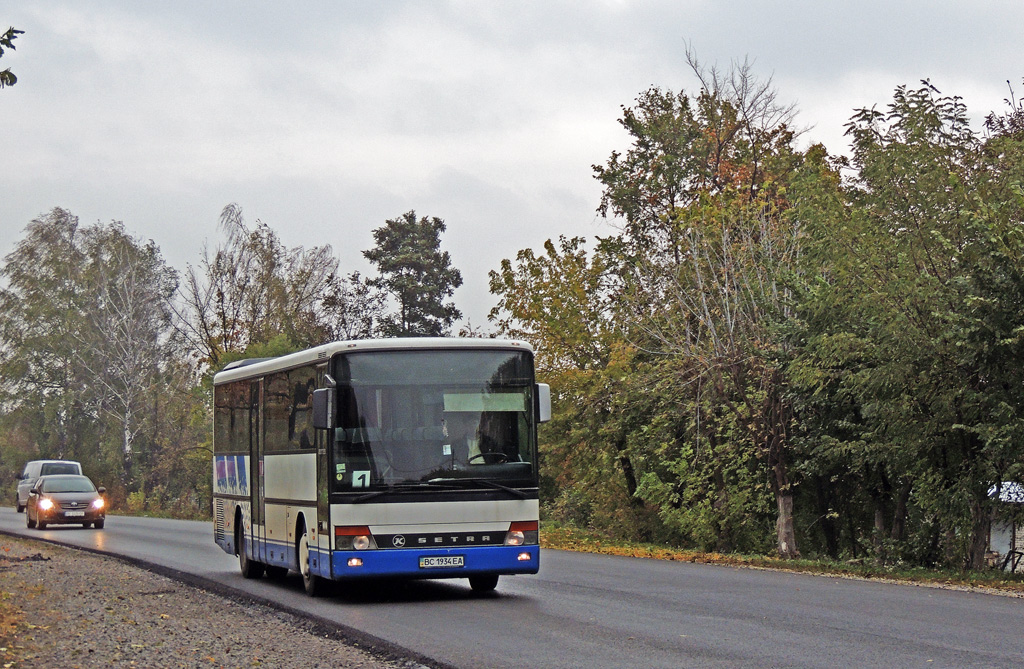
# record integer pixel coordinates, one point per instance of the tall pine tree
(413, 269)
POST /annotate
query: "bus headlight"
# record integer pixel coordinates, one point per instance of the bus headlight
(522, 534)
(353, 538)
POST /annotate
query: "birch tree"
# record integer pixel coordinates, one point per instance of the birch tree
(124, 349)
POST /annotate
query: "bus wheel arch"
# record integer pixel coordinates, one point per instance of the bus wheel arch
(249, 568)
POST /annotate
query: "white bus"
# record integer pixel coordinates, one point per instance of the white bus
(408, 458)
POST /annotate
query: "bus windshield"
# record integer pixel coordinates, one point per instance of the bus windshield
(445, 419)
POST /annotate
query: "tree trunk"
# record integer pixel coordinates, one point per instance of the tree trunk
(879, 533)
(899, 515)
(776, 414)
(981, 521)
(127, 435)
(628, 473)
(828, 524)
(785, 527)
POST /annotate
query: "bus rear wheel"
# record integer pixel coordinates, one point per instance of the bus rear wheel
(313, 584)
(249, 568)
(484, 582)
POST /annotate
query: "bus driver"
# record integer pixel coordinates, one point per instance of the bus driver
(461, 437)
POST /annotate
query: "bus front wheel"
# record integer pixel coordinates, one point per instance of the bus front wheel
(314, 584)
(484, 582)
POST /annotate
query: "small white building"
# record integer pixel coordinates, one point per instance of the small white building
(1006, 534)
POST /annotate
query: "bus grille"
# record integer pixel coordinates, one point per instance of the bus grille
(441, 539)
(218, 520)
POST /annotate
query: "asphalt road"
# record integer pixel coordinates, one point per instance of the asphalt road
(598, 611)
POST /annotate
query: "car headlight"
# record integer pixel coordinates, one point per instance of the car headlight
(45, 504)
(98, 503)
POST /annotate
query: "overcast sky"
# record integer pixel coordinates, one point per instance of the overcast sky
(324, 119)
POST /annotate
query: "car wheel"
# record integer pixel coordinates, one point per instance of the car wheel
(29, 522)
(484, 583)
(310, 581)
(249, 568)
(98, 524)
(41, 525)
(19, 507)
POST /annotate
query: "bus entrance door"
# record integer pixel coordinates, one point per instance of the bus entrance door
(259, 522)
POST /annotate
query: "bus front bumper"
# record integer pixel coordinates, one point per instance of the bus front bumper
(437, 563)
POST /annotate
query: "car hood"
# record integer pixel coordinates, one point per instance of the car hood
(71, 496)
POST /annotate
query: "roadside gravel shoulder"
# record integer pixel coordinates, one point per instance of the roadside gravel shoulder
(61, 607)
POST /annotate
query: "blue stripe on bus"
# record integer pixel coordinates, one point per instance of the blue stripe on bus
(406, 562)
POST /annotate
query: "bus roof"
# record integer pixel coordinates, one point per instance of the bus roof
(244, 369)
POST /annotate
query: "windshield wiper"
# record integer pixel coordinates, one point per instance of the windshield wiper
(402, 487)
(486, 482)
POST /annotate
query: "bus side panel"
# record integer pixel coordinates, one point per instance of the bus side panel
(277, 533)
(290, 494)
(291, 478)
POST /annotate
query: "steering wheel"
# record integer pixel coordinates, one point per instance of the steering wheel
(498, 456)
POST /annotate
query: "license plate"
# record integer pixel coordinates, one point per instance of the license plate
(441, 562)
(74, 514)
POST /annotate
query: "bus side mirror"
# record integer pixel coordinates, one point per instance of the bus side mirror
(323, 408)
(543, 402)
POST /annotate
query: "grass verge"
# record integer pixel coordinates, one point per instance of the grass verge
(574, 539)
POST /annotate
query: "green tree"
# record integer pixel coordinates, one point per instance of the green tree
(7, 77)
(412, 269)
(562, 301)
(353, 308)
(703, 256)
(252, 289)
(915, 325)
(42, 307)
(86, 371)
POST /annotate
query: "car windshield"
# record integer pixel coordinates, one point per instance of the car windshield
(443, 419)
(68, 484)
(58, 468)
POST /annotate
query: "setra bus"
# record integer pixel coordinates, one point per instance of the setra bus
(411, 458)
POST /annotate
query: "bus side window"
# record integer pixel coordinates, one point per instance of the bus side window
(300, 413)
